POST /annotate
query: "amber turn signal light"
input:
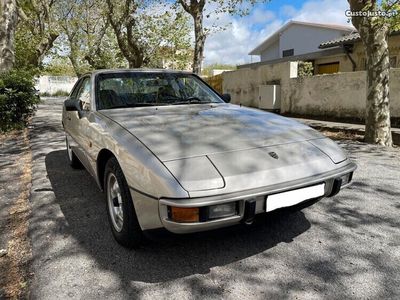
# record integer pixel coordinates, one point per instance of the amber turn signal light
(184, 214)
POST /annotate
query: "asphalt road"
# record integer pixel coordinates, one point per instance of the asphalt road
(342, 247)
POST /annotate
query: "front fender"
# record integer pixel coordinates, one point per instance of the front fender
(143, 171)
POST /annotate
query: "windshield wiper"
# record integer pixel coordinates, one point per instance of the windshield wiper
(191, 100)
(143, 104)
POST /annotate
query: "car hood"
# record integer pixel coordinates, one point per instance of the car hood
(182, 131)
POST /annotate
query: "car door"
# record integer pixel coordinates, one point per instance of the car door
(69, 119)
(78, 122)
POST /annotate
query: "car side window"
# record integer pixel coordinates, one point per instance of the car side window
(76, 88)
(83, 95)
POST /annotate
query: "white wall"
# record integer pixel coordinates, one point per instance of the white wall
(303, 39)
(271, 53)
(53, 84)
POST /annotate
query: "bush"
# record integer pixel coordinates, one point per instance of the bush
(305, 69)
(18, 99)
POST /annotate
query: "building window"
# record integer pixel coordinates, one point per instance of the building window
(289, 52)
(330, 68)
(393, 61)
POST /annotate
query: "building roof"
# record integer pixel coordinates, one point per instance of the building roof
(347, 39)
(275, 36)
(350, 38)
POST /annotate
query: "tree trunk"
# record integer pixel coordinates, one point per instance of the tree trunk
(377, 120)
(73, 51)
(132, 64)
(8, 23)
(74, 62)
(374, 35)
(42, 49)
(200, 39)
(195, 9)
(123, 30)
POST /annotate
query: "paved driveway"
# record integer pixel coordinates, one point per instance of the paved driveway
(342, 247)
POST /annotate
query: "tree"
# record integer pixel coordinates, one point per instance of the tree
(83, 27)
(374, 31)
(38, 28)
(165, 37)
(196, 9)
(8, 23)
(146, 32)
(86, 38)
(58, 66)
(70, 15)
(122, 20)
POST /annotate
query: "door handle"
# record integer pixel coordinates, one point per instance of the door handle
(69, 118)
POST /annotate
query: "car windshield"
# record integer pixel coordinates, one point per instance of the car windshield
(138, 89)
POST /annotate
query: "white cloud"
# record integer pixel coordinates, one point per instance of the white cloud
(260, 16)
(232, 45)
(288, 11)
(325, 11)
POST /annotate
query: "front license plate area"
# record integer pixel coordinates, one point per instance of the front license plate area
(294, 197)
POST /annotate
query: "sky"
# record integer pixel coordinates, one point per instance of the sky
(243, 34)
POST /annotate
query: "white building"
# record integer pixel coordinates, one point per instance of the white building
(297, 38)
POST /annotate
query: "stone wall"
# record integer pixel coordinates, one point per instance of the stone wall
(340, 95)
(243, 84)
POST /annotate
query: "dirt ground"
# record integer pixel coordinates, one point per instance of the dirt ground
(342, 135)
(15, 183)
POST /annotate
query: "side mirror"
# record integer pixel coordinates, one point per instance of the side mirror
(71, 105)
(226, 97)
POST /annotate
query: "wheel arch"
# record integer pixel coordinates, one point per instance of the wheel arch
(102, 158)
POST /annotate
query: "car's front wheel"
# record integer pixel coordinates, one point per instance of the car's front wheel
(121, 212)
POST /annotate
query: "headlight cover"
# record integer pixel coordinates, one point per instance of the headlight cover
(331, 149)
(195, 173)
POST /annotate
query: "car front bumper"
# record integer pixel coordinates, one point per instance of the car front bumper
(149, 218)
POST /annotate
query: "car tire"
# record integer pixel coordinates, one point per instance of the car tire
(120, 210)
(73, 160)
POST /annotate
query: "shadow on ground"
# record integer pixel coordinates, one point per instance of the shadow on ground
(345, 247)
(83, 206)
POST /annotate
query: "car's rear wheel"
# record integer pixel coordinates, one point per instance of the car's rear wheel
(121, 212)
(72, 158)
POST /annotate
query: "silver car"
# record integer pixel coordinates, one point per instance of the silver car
(171, 153)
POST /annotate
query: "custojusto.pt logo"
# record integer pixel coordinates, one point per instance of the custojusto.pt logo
(371, 13)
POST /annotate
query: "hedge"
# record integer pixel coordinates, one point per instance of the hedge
(18, 99)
